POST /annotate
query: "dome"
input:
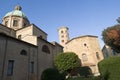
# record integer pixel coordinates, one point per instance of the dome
(16, 12)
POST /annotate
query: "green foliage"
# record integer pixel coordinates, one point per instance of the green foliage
(50, 74)
(110, 68)
(85, 71)
(83, 78)
(111, 37)
(66, 61)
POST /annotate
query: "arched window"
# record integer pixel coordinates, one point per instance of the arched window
(61, 31)
(97, 55)
(23, 52)
(84, 57)
(85, 44)
(45, 49)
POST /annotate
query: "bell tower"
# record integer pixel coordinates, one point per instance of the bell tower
(63, 35)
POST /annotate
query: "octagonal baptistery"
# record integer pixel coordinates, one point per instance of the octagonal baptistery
(15, 19)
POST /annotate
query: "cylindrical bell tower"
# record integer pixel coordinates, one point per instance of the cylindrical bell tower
(63, 35)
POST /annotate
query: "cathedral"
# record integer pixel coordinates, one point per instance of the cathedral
(86, 47)
(24, 49)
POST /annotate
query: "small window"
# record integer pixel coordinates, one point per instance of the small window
(45, 49)
(85, 44)
(61, 31)
(31, 67)
(19, 36)
(84, 57)
(6, 23)
(97, 55)
(23, 52)
(62, 36)
(10, 67)
(62, 41)
(15, 23)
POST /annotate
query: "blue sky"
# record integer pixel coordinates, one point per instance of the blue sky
(83, 17)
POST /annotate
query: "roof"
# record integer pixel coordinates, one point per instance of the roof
(45, 41)
(63, 27)
(6, 27)
(55, 43)
(39, 28)
(7, 36)
(81, 37)
(16, 12)
(33, 26)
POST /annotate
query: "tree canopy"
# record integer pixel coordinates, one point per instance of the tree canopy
(67, 61)
(50, 73)
(111, 37)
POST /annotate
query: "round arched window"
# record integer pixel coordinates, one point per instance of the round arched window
(23, 52)
(45, 49)
(84, 57)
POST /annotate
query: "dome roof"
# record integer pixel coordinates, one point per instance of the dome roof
(16, 12)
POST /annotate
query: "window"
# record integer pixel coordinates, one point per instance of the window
(6, 23)
(61, 31)
(23, 52)
(84, 57)
(15, 23)
(62, 41)
(97, 55)
(31, 67)
(45, 49)
(85, 44)
(62, 36)
(19, 36)
(10, 67)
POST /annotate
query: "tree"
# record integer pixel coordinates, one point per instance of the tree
(50, 74)
(110, 68)
(111, 37)
(66, 62)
